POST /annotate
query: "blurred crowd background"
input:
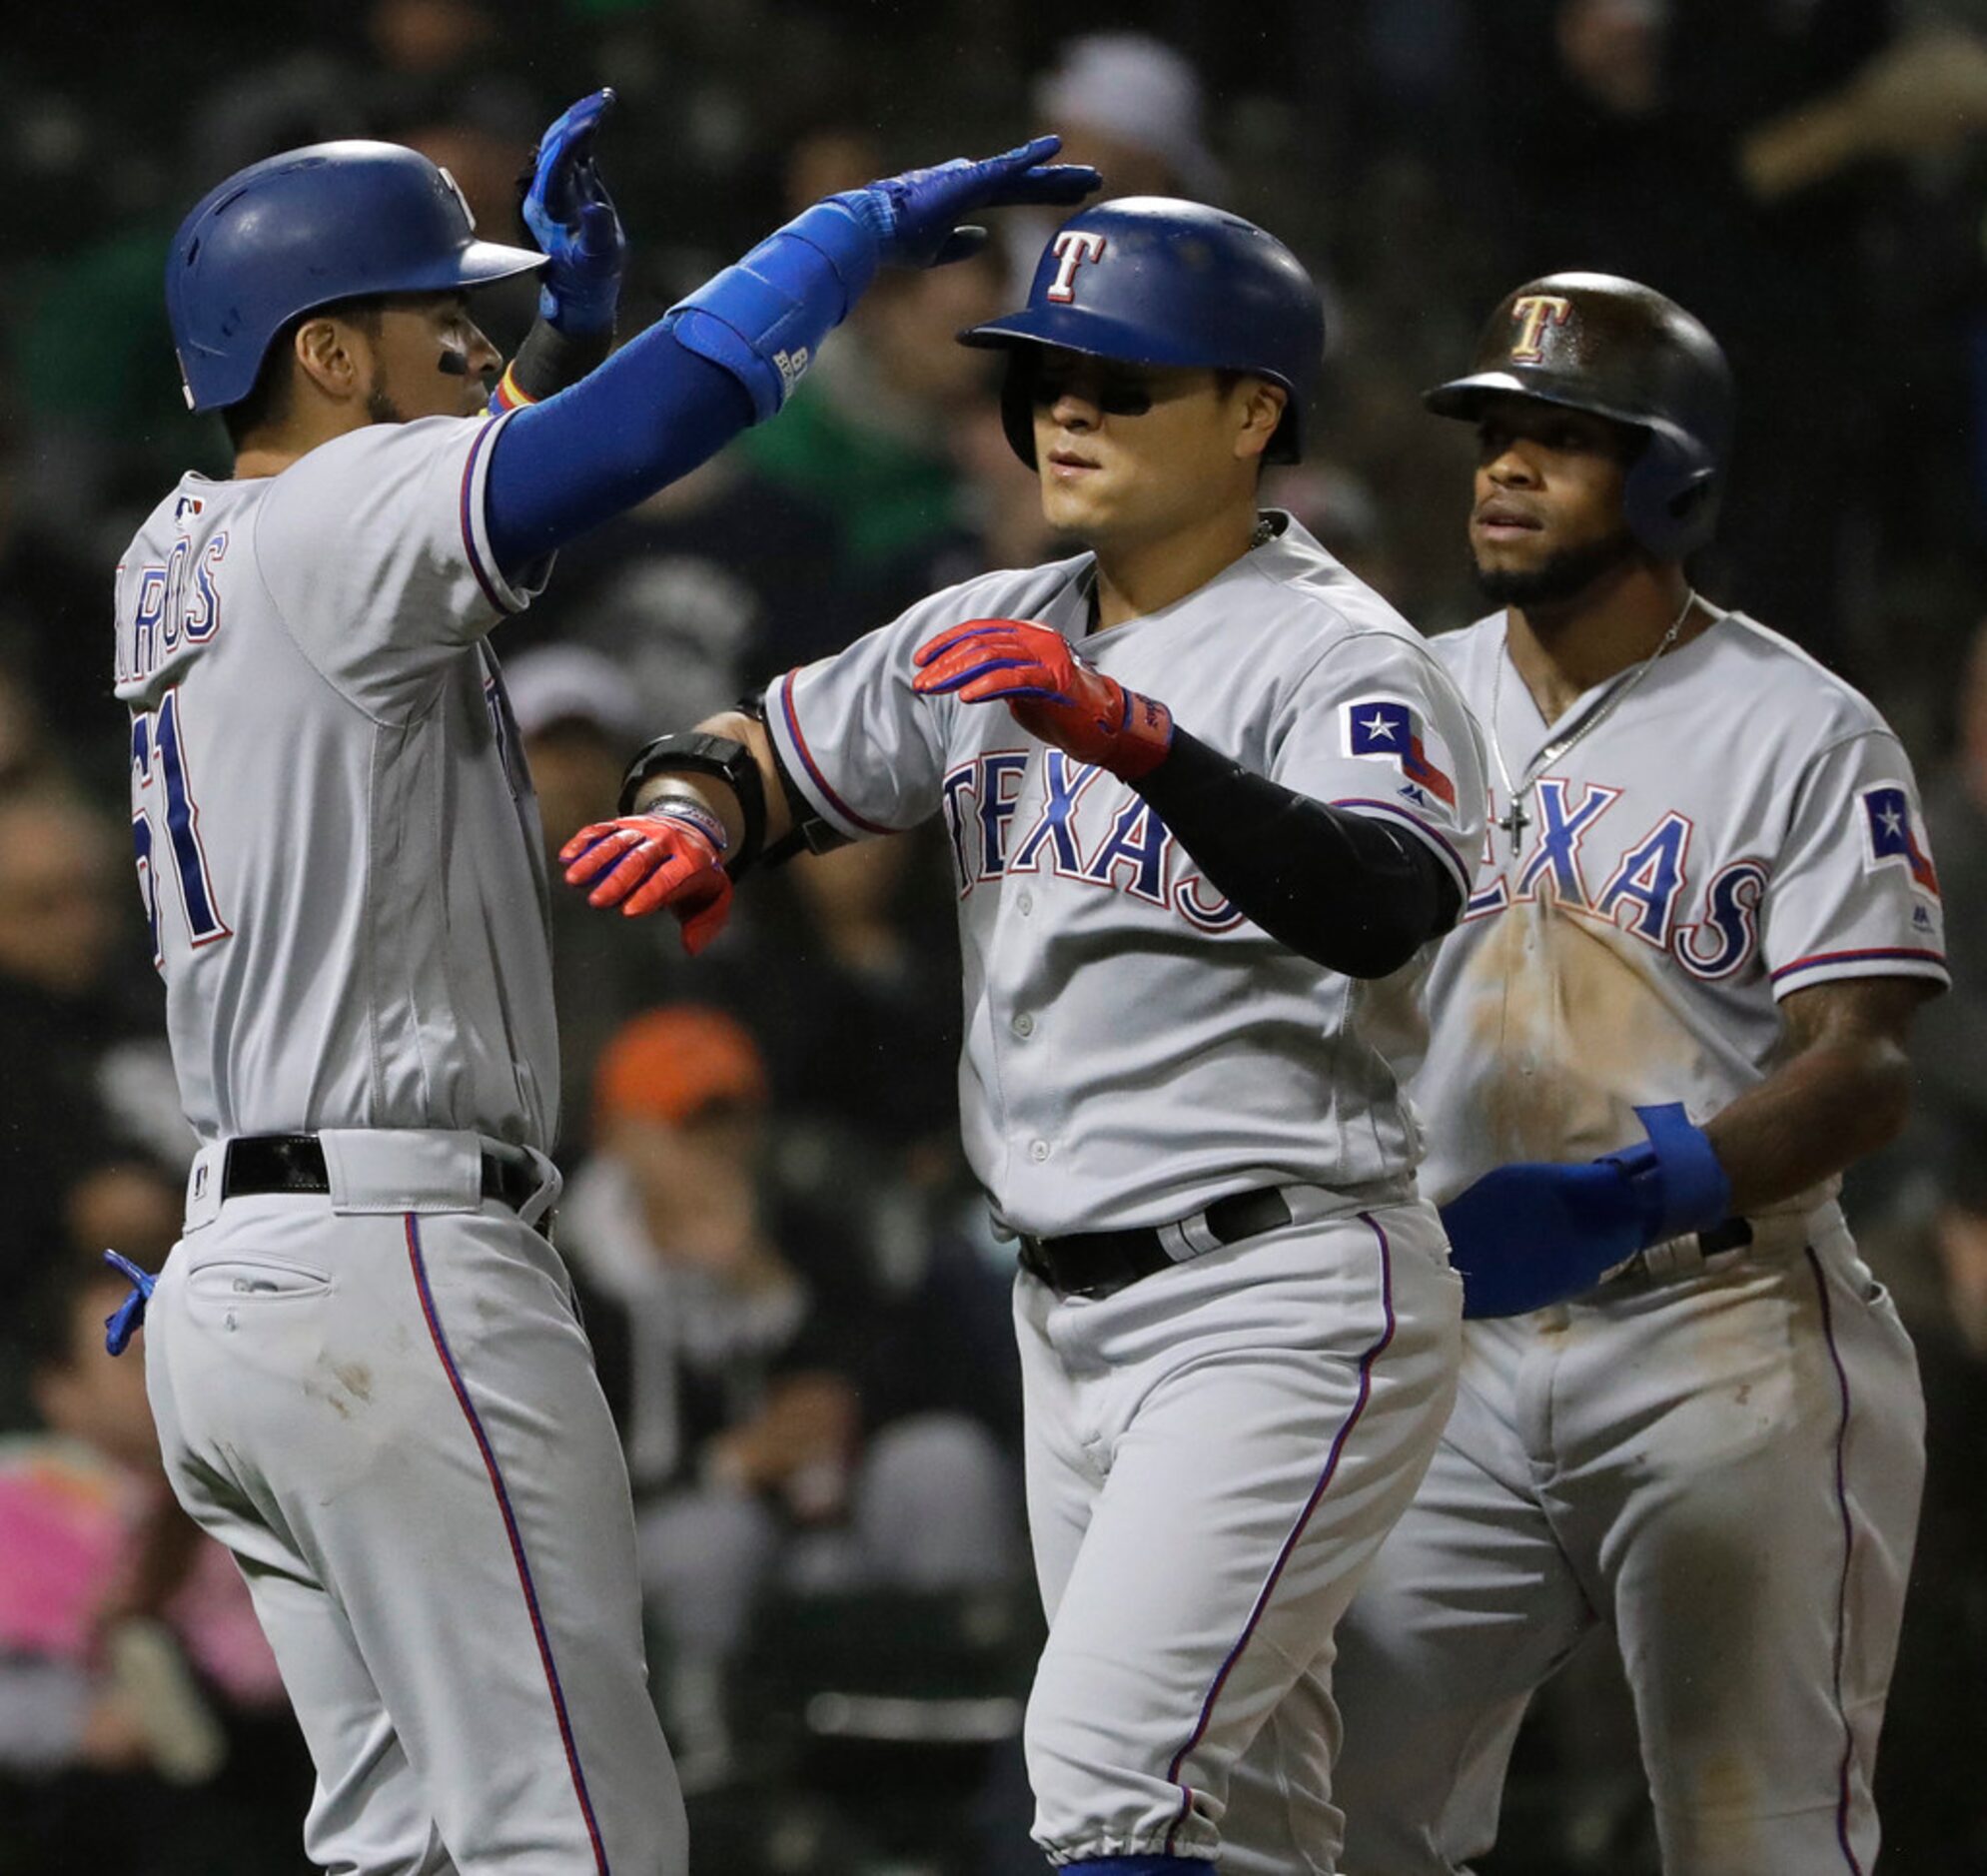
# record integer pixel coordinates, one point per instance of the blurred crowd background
(799, 1313)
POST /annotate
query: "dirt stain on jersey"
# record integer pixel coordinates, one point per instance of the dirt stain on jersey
(1573, 1029)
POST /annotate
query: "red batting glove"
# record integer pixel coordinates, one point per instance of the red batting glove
(643, 861)
(1053, 694)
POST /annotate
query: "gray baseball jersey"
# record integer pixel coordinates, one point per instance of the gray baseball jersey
(1718, 1457)
(1743, 826)
(337, 839)
(340, 856)
(1134, 1048)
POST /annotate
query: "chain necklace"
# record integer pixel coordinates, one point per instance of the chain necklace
(1514, 820)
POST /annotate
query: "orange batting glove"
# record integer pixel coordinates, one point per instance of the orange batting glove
(671, 856)
(1054, 694)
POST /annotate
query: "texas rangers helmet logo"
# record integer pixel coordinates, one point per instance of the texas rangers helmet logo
(1072, 247)
(1890, 834)
(1531, 314)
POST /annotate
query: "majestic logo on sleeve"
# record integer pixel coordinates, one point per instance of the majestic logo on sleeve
(1533, 315)
(1892, 837)
(1394, 732)
(1072, 247)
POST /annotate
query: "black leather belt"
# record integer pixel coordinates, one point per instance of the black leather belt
(1733, 1234)
(262, 1163)
(1098, 1263)
(1729, 1236)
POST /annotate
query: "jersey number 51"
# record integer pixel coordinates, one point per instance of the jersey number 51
(158, 756)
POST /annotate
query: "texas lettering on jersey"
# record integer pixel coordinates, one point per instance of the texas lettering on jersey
(1644, 892)
(1107, 837)
(1651, 885)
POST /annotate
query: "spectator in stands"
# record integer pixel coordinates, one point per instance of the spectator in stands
(713, 584)
(740, 1354)
(69, 993)
(1663, 137)
(54, 679)
(26, 759)
(998, 518)
(861, 1014)
(579, 721)
(143, 1726)
(1132, 107)
(866, 434)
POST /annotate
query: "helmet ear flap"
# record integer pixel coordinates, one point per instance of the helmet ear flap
(1017, 401)
(1670, 501)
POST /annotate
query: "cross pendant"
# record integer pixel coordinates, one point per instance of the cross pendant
(1514, 822)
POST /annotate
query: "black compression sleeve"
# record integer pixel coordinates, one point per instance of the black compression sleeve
(1344, 890)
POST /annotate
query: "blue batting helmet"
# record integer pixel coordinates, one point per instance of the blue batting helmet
(1152, 281)
(333, 221)
(1619, 349)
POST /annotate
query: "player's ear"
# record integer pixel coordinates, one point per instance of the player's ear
(1262, 410)
(327, 354)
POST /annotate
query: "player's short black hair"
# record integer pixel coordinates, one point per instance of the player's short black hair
(268, 401)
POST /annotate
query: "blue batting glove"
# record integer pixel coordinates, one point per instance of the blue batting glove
(129, 1317)
(1529, 1235)
(915, 217)
(572, 217)
(1677, 1177)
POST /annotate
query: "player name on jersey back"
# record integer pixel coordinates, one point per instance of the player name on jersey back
(1743, 826)
(175, 603)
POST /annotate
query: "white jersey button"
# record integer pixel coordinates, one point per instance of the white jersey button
(1024, 1025)
(1025, 903)
(1038, 1151)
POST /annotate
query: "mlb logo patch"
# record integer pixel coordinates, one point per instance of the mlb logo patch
(1893, 837)
(1390, 731)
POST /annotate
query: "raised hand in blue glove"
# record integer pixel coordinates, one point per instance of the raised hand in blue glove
(572, 217)
(916, 216)
(1528, 1234)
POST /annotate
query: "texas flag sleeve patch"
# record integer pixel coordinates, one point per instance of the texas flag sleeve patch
(1386, 729)
(1893, 837)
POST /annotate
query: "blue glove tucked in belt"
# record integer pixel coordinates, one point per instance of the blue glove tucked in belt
(1528, 1234)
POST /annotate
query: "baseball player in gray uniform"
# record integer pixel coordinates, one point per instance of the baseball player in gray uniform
(1674, 1011)
(369, 1377)
(1192, 933)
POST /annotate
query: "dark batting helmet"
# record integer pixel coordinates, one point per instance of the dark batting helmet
(1597, 342)
(333, 221)
(1152, 281)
